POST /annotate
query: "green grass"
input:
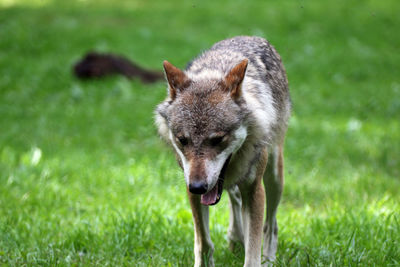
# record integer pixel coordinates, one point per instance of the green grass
(85, 180)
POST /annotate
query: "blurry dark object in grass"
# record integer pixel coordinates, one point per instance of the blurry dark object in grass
(96, 65)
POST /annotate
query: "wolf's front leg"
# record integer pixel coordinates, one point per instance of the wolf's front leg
(203, 247)
(253, 198)
(235, 230)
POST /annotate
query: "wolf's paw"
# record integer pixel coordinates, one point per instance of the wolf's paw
(204, 262)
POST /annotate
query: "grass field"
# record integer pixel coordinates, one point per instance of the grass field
(85, 180)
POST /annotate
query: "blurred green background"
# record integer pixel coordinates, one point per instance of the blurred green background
(85, 180)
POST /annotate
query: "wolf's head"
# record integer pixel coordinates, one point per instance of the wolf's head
(204, 120)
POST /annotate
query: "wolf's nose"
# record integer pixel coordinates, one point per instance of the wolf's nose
(198, 187)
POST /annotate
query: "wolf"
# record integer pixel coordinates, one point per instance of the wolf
(226, 116)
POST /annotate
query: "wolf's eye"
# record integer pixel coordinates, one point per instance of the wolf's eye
(215, 141)
(183, 141)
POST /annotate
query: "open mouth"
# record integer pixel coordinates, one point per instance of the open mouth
(213, 196)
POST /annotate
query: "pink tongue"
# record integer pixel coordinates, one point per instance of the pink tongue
(210, 197)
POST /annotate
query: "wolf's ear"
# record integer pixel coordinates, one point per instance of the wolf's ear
(234, 79)
(177, 80)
